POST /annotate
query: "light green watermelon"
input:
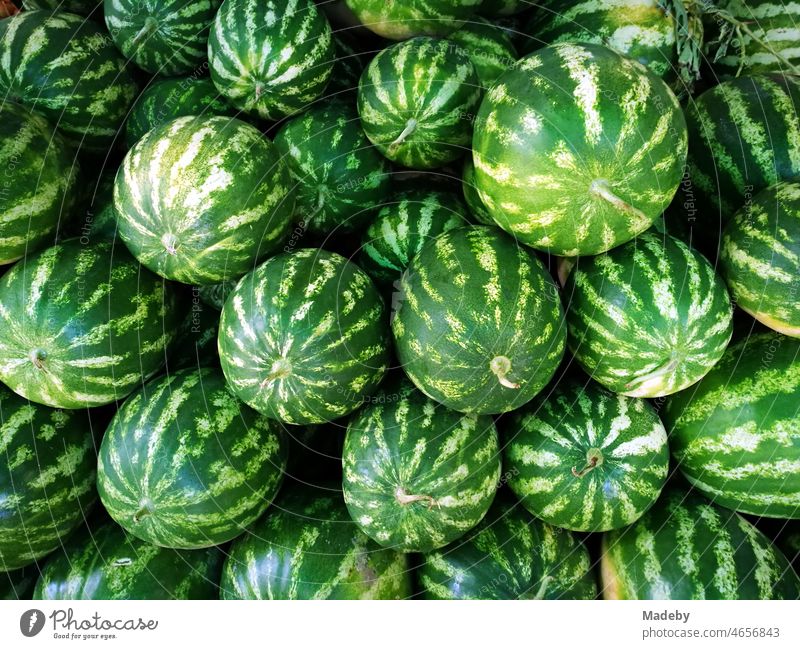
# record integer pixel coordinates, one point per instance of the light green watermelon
(736, 436)
(83, 324)
(185, 465)
(585, 459)
(478, 323)
(402, 20)
(417, 102)
(303, 338)
(649, 318)
(578, 149)
(201, 199)
(418, 475)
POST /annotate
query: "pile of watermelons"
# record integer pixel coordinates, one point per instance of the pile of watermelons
(389, 299)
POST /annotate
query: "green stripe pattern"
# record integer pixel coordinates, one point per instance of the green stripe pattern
(643, 30)
(82, 7)
(510, 555)
(736, 436)
(185, 465)
(402, 20)
(648, 318)
(476, 207)
(418, 475)
(307, 547)
(403, 226)
(166, 37)
(38, 185)
(82, 325)
(340, 176)
(66, 68)
(167, 99)
(417, 102)
(744, 136)
(201, 199)
(760, 258)
(586, 459)
(773, 22)
(478, 323)
(303, 337)
(106, 563)
(270, 58)
(47, 475)
(578, 149)
(688, 548)
(488, 47)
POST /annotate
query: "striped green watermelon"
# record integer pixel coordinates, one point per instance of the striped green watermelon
(643, 30)
(82, 7)
(66, 68)
(185, 465)
(768, 41)
(348, 65)
(476, 207)
(402, 20)
(270, 58)
(578, 149)
(18, 584)
(47, 475)
(38, 186)
(306, 547)
(478, 323)
(417, 101)
(168, 99)
(744, 135)
(688, 548)
(585, 459)
(202, 199)
(403, 226)
(736, 435)
(510, 555)
(214, 295)
(106, 563)
(340, 176)
(82, 324)
(418, 475)
(303, 337)
(648, 318)
(167, 37)
(95, 218)
(488, 47)
(760, 257)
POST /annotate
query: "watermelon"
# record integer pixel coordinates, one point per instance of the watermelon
(202, 199)
(744, 135)
(585, 459)
(688, 548)
(196, 343)
(167, 37)
(478, 324)
(402, 20)
(168, 99)
(488, 47)
(417, 101)
(47, 477)
(18, 584)
(418, 475)
(735, 435)
(308, 548)
(270, 58)
(185, 465)
(766, 40)
(476, 207)
(106, 563)
(578, 149)
(644, 30)
(303, 338)
(82, 325)
(510, 555)
(74, 75)
(648, 318)
(403, 226)
(340, 176)
(214, 295)
(82, 7)
(348, 66)
(760, 258)
(38, 184)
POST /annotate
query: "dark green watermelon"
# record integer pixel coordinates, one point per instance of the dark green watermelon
(195, 345)
(488, 47)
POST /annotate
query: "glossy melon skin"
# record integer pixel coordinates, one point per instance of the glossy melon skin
(403, 20)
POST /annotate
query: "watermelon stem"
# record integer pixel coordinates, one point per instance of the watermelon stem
(600, 188)
(501, 366)
(38, 357)
(150, 26)
(594, 458)
(656, 375)
(142, 513)
(280, 370)
(411, 126)
(406, 499)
